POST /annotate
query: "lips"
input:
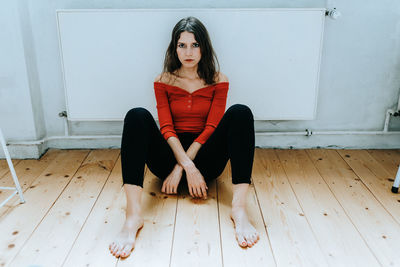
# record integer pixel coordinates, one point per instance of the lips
(189, 60)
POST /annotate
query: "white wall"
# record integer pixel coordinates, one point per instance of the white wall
(359, 79)
(18, 97)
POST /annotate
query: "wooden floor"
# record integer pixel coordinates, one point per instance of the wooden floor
(311, 208)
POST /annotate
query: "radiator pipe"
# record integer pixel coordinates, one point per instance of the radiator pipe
(307, 132)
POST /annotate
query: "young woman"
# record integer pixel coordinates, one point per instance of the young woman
(196, 136)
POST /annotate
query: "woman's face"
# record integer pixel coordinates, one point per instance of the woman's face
(188, 50)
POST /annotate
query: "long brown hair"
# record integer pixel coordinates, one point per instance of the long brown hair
(208, 62)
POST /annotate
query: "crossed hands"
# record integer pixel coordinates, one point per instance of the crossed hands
(196, 184)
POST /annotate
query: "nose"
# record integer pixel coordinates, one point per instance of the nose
(189, 51)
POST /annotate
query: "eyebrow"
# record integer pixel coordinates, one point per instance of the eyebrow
(186, 43)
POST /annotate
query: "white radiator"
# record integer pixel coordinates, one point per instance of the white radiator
(111, 57)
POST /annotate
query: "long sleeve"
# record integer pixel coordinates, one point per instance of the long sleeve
(216, 112)
(164, 112)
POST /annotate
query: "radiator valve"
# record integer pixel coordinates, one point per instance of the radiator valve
(62, 114)
(333, 13)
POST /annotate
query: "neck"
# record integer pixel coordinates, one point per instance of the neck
(190, 72)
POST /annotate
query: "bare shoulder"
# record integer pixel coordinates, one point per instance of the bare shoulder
(164, 78)
(158, 78)
(161, 77)
(222, 77)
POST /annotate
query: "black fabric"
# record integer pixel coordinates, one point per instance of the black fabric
(142, 143)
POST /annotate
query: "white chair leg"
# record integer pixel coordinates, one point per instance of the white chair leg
(17, 188)
(395, 187)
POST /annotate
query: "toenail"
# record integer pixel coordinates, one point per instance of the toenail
(243, 243)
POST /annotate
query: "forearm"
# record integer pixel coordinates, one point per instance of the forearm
(181, 156)
(193, 149)
(179, 152)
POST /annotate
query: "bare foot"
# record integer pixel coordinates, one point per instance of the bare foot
(246, 234)
(125, 240)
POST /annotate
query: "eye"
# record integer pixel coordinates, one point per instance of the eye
(196, 45)
(181, 45)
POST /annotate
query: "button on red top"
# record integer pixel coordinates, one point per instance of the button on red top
(177, 114)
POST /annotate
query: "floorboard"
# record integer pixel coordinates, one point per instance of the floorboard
(311, 207)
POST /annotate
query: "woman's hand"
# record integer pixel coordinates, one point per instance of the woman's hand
(170, 185)
(196, 184)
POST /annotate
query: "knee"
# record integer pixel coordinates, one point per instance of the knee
(240, 111)
(136, 113)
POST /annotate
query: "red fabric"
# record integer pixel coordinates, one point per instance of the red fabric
(198, 112)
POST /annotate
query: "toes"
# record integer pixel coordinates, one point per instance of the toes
(126, 251)
(255, 237)
(116, 250)
(119, 251)
(112, 247)
(113, 250)
(249, 241)
(242, 242)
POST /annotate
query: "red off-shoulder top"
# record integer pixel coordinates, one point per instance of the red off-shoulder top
(198, 112)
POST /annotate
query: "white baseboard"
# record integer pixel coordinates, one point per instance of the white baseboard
(392, 141)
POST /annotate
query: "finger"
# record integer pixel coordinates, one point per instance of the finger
(195, 191)
(204, 192)
(169, 188)
(198, 192)
(163, 187)
(191, 191)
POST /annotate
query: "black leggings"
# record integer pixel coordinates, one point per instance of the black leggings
(142, 142)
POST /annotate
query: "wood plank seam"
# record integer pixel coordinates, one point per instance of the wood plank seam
(265, 225)
(343, 208)
(219, 223)
(69, 181)
(367, 187)
(25, 185)
(299, 202)
(90, 212)
(173, 232)
(48, 210)
(8, 169)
